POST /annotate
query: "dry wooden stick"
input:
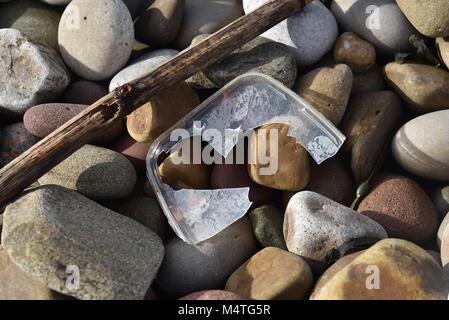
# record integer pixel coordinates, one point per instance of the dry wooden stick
(57, 146)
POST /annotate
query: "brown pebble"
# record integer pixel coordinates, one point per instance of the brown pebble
(152, 119)
(357, 53)
(290, 166)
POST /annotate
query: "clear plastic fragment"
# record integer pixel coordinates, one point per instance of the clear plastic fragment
(248, 102)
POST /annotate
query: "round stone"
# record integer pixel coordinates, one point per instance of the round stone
(43, 119)
(327, 89)
(392, 269)
(402, 208)
(425, 88)
(95, 172)
(272, 274)
(207, 265)
(309, 34)
(96, 37)
(141, 66)
(430, 17)
(420, 146)
(314, 226)
(149, 121)
(380, 22)
(289, 169)
(369, 121)
(359, 54)
(267, 222)
(159, 25)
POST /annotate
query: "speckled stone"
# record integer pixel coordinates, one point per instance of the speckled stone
(14, 140)
(204, 16)
(35, 19)
(425, 88)
(213, 295)
(380, 22)
(327, 89)
(259, 55)
(159, 25)
(110, 42)
(372, 80)
(95, 172)
(267, 222)
(50, 228)
(309, 34)
(419, 146)
(207, 265)
(368, 123)
(43, 119)
(406, 272)
(358, 54)
(272, 274)
(16, 285)
(30, 73)
(430, 18)
(314, 225)
(141, 66)
(401, 207)
(83, 92)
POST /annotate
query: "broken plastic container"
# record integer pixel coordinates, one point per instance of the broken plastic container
(247, 102)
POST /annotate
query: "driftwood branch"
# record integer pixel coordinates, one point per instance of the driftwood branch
(71, 136)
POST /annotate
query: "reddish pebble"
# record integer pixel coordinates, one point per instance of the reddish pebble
(402, 208)
(83, 92)
(135, 151)
(43, 119)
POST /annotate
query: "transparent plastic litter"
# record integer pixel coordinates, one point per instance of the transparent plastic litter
(247, 102)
